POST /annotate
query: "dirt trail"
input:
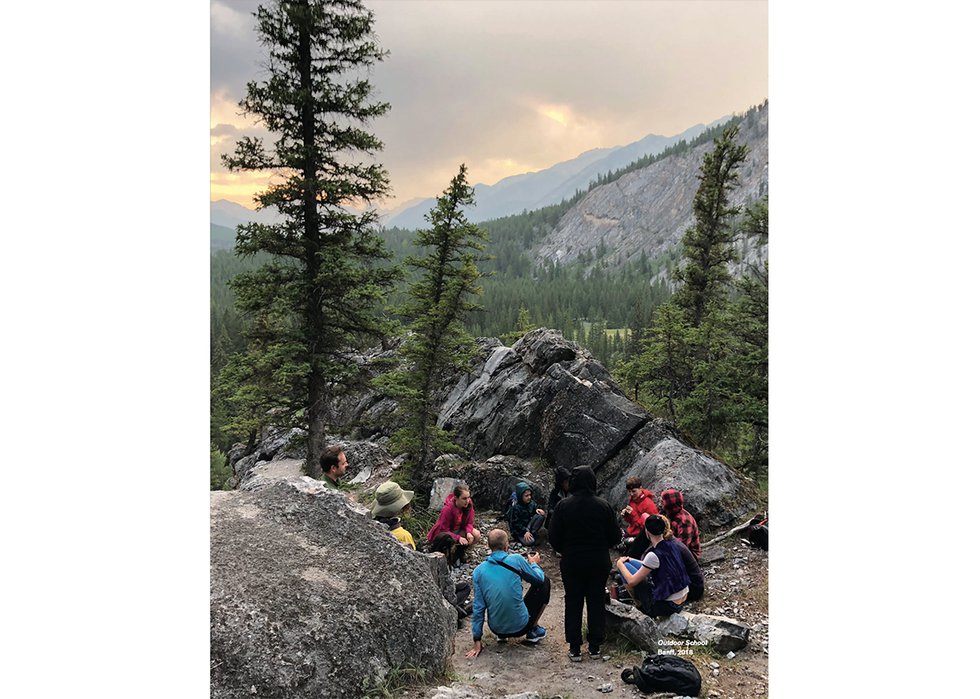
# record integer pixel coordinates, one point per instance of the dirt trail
(736, 586)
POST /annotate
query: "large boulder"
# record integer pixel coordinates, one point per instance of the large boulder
(543, 397)
(310, 598)
(713, 493)
(684, 629)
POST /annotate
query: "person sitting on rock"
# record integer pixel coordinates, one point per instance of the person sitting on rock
(391, 503)
(563, 486)
(455, 524)
(497, 594)
(640, 505)
(693, 569)
(682, 522)
(333, 461)
(659, 582)
(524, 516)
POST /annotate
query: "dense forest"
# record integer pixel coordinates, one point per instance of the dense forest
(702, 362)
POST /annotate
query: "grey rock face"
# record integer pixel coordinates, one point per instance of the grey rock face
(633, 624)
(545, 396)
(308, 598)
(492, 481)
(712, 492)
(648, 210)
(724, 634)
(702, 629)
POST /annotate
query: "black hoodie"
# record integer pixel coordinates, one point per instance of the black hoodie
(584, 526)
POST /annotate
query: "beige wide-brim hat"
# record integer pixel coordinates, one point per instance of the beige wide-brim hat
(389, 499)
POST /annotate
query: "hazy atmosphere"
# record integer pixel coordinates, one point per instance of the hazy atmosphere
(513, 87)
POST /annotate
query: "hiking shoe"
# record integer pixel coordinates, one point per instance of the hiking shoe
(536, 634)
(575, 654)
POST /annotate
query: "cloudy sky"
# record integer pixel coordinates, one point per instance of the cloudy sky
(512, 87)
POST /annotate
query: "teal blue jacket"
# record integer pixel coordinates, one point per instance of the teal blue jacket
(497, 592)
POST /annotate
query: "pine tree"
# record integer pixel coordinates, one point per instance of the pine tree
(437, 342)
(325, 279)
(708, 247)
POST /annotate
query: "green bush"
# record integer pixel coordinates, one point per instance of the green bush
(220, 470)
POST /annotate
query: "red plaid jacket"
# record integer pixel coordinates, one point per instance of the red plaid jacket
(682, 523)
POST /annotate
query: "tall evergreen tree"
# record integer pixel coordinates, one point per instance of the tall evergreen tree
(325, 279)
(437, 342)
(709, 246)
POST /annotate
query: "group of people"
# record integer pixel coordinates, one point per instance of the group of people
(660, 572)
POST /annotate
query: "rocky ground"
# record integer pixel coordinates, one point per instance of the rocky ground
(736, 579)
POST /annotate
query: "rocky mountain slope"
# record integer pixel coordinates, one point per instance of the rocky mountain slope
(534, 190)
(648, 210)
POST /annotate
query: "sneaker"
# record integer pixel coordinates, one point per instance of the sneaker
(575, 654)
(536, 634)
(595, 653)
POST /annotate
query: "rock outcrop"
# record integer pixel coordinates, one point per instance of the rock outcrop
(648, 210)
(310, 598)
(684, 629)
(543, 403)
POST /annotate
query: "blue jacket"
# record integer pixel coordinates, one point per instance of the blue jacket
(498, 592)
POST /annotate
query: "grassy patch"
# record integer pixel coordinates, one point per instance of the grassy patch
(400, 678)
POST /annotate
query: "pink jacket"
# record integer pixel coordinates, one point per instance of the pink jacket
(452, 520)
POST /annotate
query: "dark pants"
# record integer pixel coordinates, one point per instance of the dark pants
(534, 526)
(585, 584)
(661, 608)
(696, 592)
(535, 599)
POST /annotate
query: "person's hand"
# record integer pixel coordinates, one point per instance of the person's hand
(627, 510)
(528, 538)
(622, 560)
(534, 557)
(540, 512)
(475, 650)
(469, 538)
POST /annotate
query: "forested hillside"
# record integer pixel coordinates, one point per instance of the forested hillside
(604, 296)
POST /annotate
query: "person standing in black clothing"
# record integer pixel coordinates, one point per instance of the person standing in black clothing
(563, 479)
(583, 529)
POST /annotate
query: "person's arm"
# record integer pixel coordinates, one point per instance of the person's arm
(479, 611)
(632, 579)
(632, 517)
(530, 565)
(536, 509)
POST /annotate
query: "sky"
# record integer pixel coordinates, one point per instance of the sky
(514, 87)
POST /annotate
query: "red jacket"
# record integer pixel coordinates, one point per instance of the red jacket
(645, 504)
(452, 520)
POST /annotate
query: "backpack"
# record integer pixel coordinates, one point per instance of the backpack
(664, 673)
(758, 532)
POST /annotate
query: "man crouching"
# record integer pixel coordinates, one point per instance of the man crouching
(497, 591)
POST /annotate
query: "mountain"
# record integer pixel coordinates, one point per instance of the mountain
(533, 190)
(647, 211)
(229, 214)
(222, 237)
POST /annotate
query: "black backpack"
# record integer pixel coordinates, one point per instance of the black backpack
(665, 673)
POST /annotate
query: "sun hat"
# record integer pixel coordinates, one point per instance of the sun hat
(390, 499)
